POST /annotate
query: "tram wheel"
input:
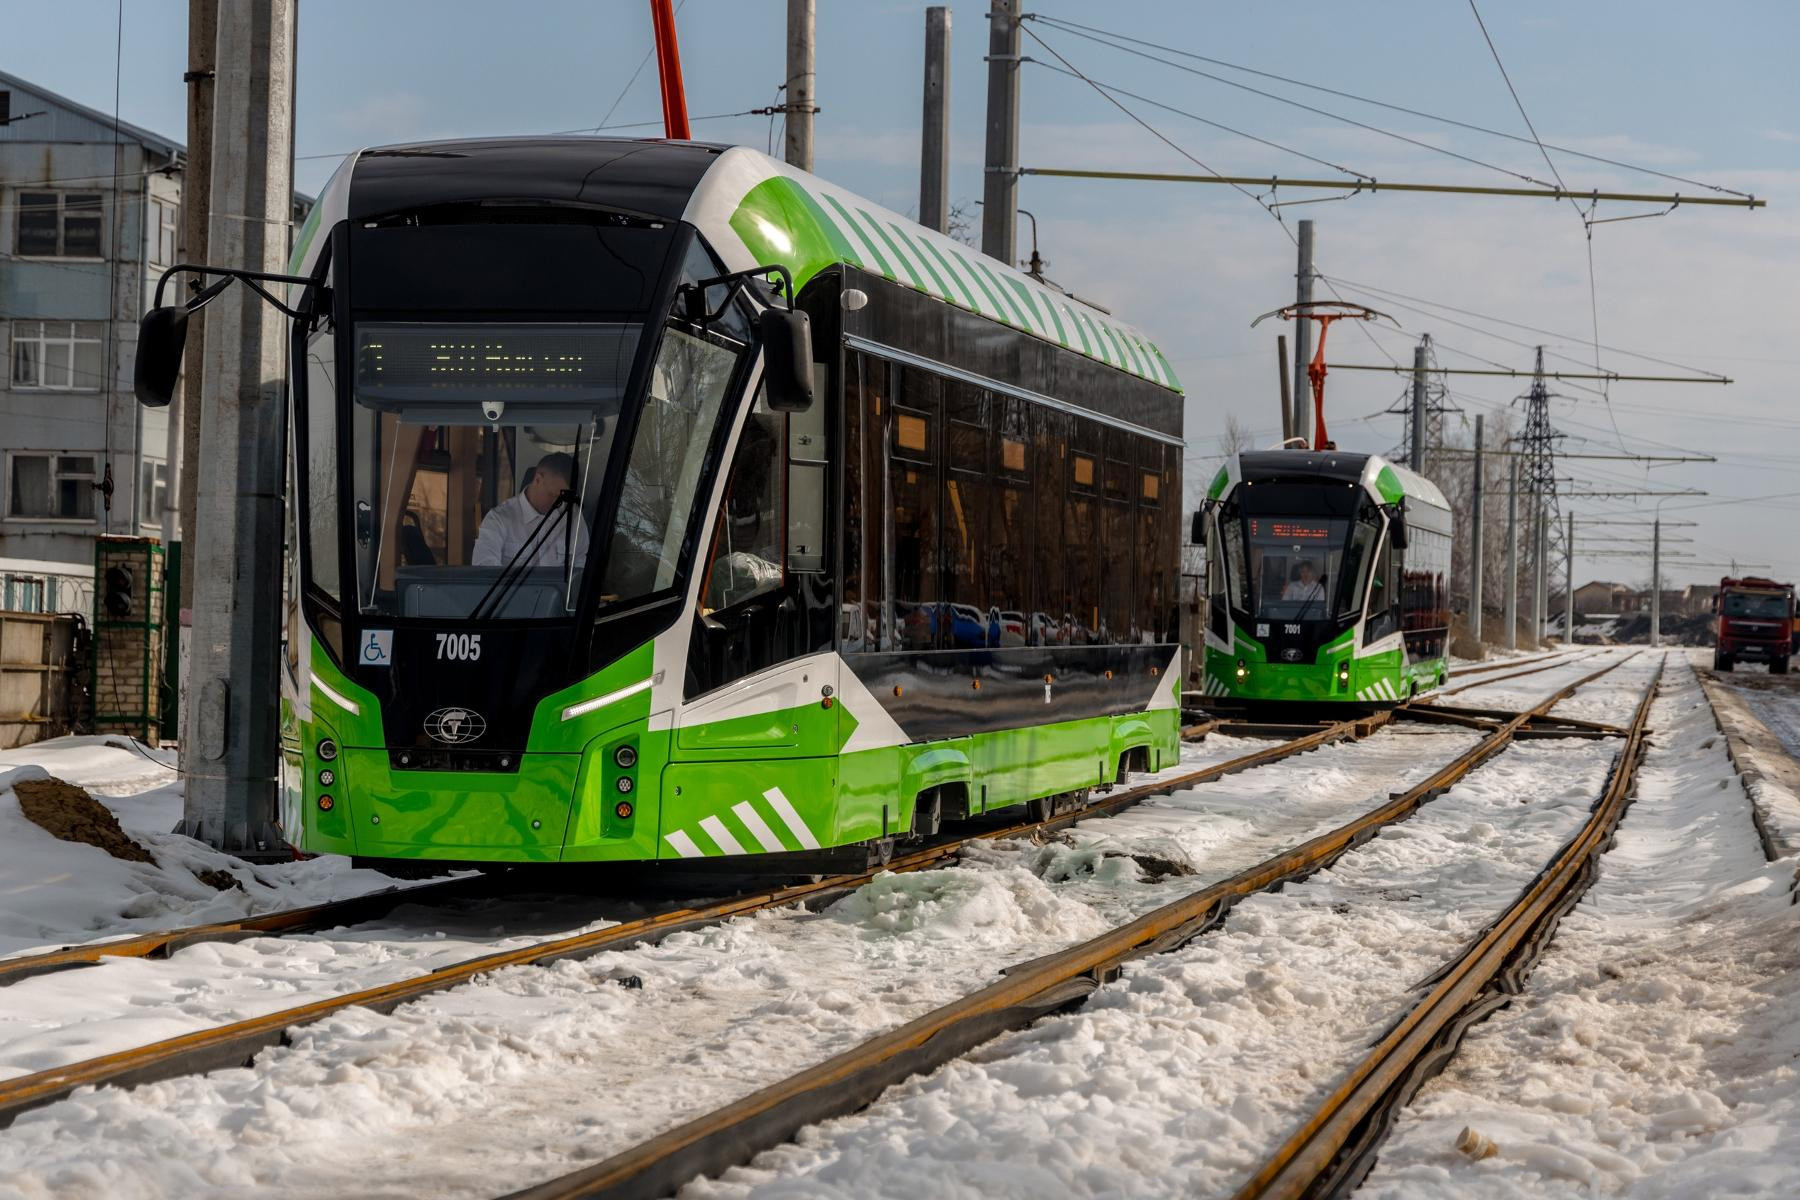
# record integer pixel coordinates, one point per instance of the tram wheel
(1041, 809)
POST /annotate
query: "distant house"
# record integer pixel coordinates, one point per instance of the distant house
(1698, 597)
(1602, 596)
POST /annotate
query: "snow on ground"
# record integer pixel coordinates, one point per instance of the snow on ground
(1611, 702)
(55, 893)
(554, 1066)
(1775, 699)
(1656, 1050)
(1177, 1079)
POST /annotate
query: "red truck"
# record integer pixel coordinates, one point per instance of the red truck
(1755, 623)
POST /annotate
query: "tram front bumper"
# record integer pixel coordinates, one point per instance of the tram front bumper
(463, 815)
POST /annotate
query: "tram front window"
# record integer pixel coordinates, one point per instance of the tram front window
(1296, 552)
(476, 455)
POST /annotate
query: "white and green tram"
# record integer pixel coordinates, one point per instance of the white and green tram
(657, 501)
(1328, 579)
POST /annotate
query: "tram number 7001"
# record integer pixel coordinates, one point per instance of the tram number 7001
(463, 647)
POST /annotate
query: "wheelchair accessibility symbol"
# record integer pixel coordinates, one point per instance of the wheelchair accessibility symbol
(378, 648)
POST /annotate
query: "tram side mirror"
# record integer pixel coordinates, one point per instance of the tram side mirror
(787, 360)
(162, 336)
(1197, 535)
(1397, 527)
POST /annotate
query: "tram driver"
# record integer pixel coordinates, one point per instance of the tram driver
(511, 524)
(1305, 584)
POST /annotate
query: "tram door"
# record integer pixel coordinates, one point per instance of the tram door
(759, 663)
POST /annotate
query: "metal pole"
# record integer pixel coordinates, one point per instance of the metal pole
(1287, 390)
(230, 797)
(1569, 582)
(1475, 541)
(1416, 449)
(1512, 559)
(800, 81)
(934, 141)
(1540, 611)
(196, 188)
(1303, 293)
(1656, 582)
(1000, 189)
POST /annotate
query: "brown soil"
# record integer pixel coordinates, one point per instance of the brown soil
(69, 813)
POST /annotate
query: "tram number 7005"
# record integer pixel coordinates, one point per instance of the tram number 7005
(463, 647)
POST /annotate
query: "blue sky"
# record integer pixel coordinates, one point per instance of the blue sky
(1706, 92)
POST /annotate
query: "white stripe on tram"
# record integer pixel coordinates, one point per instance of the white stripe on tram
(684, 845)
(715, 829)
(759, 828)
(785, 810)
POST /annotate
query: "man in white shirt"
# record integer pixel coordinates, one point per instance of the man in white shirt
(510, 524)
(1305, 587)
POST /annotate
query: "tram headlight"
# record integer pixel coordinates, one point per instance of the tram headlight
(626, 756)
(327, 749)
(1242, 671)
(625, 784)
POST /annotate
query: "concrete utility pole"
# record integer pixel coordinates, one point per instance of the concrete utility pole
(1569, 582)
(1540, 598)
(1656, 582)
(1287, 391)
(934, 139)
(1303, 293)
(229, 731)
(1000, 188)
(1415, 457)
(1512, 559)
(1475, 541)
(196, 188)
(800, 82)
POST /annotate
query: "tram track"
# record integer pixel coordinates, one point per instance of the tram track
(1332, 1150)
(734, 1133)
(237, 1043)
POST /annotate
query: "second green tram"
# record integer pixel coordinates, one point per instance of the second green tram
(1327, 580)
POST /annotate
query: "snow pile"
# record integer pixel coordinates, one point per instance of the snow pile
(1656, 1051)
(54, 893)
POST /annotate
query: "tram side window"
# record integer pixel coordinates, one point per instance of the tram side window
(1384, 596)
(746, 547)
(322, 461)
(1010, 526)
(1081, 533)
(1116, 541)
(964, 612)
(1148, 590)
(1050, 576)
(912, 544)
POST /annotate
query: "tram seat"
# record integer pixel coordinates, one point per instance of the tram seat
(453, 592)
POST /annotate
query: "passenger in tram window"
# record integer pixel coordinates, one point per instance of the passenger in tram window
(510, 524)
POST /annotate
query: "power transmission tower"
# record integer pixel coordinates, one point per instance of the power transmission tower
(1537, 479)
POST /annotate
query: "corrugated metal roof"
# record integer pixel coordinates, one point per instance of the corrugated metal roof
(65, 120)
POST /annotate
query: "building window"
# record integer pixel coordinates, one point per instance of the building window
(163, 217)
(62, 356)
(53, 487)
(59, 224)
(156, 493)
(22, 593)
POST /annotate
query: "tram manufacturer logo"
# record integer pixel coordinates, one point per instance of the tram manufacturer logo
(454, 726)
(1290, 655)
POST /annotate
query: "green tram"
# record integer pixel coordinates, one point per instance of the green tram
(657, 501)
(1327, 580)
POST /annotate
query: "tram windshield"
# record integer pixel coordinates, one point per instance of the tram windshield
(1296, 552)
(479, 453)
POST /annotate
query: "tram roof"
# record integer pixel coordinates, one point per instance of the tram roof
(754, 210)
(1381, 477)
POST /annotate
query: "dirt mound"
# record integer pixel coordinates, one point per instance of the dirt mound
(69, 813)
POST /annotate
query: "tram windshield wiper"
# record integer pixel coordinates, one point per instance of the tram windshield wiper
(1324, 581)
(522, 558)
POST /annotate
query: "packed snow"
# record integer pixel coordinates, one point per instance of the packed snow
(55, 893)
(1656, 1050)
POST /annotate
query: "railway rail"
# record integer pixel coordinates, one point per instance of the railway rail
(734, 1133)
(237, 1043)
